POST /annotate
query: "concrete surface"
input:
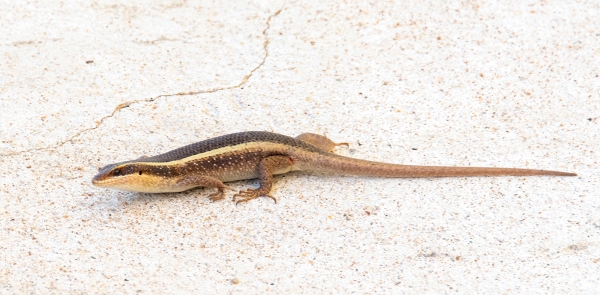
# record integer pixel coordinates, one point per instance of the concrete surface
(470, 83)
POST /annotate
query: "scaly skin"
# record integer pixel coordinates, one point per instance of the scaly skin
(257, 154)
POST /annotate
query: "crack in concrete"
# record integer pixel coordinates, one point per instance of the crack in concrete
(129, 103)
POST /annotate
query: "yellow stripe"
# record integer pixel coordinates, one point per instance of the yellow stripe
(227, 149)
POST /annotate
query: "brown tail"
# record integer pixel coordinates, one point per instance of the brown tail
(343, 165)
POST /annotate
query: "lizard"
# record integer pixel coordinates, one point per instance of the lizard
(261, 154)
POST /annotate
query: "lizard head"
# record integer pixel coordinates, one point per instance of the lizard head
(122, 176)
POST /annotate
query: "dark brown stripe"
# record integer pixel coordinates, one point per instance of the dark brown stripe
(228, 140)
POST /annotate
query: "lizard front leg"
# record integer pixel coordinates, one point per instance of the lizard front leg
(266, 168)
(206, 181)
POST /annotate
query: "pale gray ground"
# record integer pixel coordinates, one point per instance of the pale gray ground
(476, 83)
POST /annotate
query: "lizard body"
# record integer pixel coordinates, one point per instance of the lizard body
(258, 154)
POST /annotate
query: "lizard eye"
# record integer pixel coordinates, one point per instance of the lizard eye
(116, 172)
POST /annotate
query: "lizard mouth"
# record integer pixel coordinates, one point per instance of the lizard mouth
(101, 180)
(96, 180)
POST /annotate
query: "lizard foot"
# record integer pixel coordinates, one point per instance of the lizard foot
(219, 195)
(250, 194)
(216, 196)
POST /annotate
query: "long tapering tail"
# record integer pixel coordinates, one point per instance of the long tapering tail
(331, 163)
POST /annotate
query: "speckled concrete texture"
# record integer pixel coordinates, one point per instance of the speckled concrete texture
(466, 83)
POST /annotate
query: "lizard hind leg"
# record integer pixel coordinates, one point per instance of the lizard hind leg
(320, 141)
(266, 168)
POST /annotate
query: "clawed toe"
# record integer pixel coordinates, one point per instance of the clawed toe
(219, 195)
(216, 196)
(272, 198)
(249, 194)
